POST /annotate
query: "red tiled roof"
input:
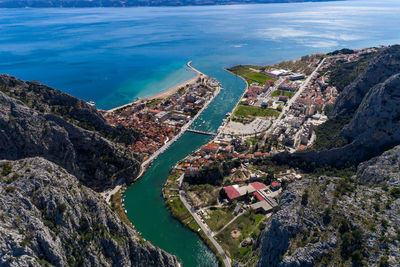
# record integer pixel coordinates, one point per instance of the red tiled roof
(231, 192)
(258, 196)
(275, 184)
(258, 186)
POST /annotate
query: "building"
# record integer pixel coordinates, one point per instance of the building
(210, 148)
(192, 171)
(275, 186)
(261, 206)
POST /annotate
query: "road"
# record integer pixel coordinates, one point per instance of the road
(292, 100)
(204, 227)
(176, 137)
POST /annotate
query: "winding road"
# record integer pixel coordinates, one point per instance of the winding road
(204, 227)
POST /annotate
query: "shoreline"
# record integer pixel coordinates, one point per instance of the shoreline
(169, 91)
(144, 165)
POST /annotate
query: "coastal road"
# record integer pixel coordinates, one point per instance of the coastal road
(206, 230)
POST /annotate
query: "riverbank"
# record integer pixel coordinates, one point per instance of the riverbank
(145, 164)
(180, 209)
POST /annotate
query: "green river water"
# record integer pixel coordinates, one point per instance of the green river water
(143, 200)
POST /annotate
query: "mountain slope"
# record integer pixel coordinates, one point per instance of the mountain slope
(94, 160)
(338, 222)
(48, 218)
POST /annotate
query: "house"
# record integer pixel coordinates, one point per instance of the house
(192, 171)
(283, 98)
(231, 192)
(261, 206)
(275, 186)
(211, 147)
(258, 186)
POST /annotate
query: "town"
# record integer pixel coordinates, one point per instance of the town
(229, 185)
(159, 120)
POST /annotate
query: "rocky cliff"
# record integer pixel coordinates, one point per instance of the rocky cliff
(381, 68)
(329, 221)
(27, 132)
(47, 217)
(76, 111)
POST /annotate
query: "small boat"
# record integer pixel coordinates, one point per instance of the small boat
(91, 103)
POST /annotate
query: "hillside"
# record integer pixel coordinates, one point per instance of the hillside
(55, 152)
(332, 221)
(58, 137)
(47, 217)
(128, 3)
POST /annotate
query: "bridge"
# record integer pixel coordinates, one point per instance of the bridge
(201, 132)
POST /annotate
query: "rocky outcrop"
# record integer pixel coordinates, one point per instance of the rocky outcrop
(94, 160)
(337, 222)
(48, 218)
(384, 169)
(45, 99)
(381, 68)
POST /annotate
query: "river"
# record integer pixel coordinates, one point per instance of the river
(144, 201)
(112, 55)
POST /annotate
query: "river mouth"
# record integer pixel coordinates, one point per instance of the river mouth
(143, 200)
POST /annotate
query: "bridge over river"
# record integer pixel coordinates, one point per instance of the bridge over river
(201, 132)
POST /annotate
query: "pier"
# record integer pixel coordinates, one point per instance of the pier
(201, 132)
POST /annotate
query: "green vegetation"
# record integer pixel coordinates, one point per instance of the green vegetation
(344, 51)
(219, 217)
(246, 225)
(328, 133)
(10, 189)
(301, 65)
(277, 93)
(179, 211)
(257, 77)
(205, 194)
(6, 168)
(251, 76)
(153, 102)
(116, 205)
(395, 192)
(247, 111)
(344, 73)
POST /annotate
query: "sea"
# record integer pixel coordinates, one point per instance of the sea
(114, 55)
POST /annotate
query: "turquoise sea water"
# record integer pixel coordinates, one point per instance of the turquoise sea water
(112, 55)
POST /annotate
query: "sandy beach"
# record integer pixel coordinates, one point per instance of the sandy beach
(174, 89)
(171, 90)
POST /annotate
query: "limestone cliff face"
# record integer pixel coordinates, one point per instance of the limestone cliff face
(94, 160)
(46, 217)
(45, 99)
(334, 222)
(381, 68)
